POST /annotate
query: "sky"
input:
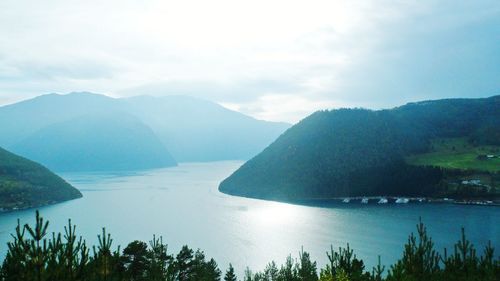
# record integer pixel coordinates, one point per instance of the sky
(273, 60)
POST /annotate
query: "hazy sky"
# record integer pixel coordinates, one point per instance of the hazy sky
(274, 60)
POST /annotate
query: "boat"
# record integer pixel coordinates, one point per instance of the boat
(346, 200)
(402, 200)
(383, 201)
(364, 200)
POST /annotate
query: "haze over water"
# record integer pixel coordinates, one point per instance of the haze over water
(183, 205)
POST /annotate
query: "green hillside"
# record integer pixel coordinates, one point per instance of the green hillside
(357, 152)
(459, 153)
(25, 184)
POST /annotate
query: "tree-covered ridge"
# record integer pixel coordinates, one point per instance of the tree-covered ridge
(359, 152)
(25, 184)
(33, 255)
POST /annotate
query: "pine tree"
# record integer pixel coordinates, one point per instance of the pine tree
(248, 275)
(378, 271)
(184, 263)
(33, 257)
(135, 259)
(159, 260)
(271, 272)
(212, 271)
(14, 265)
(230, 276)
(420, 260)
(307, 269)
(288, 272)
(38, 248)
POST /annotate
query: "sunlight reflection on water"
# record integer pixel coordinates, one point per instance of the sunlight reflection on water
(183, 205)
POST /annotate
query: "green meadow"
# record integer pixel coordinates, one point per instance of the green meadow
(458, 153)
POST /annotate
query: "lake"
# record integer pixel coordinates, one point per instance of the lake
(183, 205)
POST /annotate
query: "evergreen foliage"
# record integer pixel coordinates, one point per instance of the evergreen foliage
(359, 152)
(33, 255)
(25, 184)
(230, 275)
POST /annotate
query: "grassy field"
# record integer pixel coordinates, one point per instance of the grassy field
(457, 153)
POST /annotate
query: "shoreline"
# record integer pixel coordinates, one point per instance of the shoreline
(398, 200)
(371, 200)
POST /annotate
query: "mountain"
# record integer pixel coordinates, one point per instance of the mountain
(20, 120)
(199, 130)
(358, 152)
(25, 184)
(76, 131)
(80, 132)
(97, 142)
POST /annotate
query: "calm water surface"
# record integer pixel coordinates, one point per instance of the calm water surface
(182, 204)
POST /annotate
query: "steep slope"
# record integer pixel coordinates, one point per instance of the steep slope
(352, 152)
(105, 141)
(20, 120)
(190, 129)
(24, 184)
(198, 130)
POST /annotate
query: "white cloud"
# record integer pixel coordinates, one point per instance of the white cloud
(249, 54)
(278, 107)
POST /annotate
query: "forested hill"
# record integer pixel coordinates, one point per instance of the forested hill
(25, 184)
(354, 152)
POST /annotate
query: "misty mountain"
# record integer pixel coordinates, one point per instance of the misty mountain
(97, 142)
(85, 131)
(22, 119)
(26, 184)
(198, 130)
(359, 152)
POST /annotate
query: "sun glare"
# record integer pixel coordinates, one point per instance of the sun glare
(275, 213)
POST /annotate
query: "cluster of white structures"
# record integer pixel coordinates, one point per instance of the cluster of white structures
(381, 200)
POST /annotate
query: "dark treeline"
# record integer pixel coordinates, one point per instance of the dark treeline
(27, 184)
(33, 254)
(393, 179)
(359, 152)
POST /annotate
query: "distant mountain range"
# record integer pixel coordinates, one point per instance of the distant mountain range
(358, 152)
(199, 130)
(26, 184)
(96, 142)
(86, 131)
